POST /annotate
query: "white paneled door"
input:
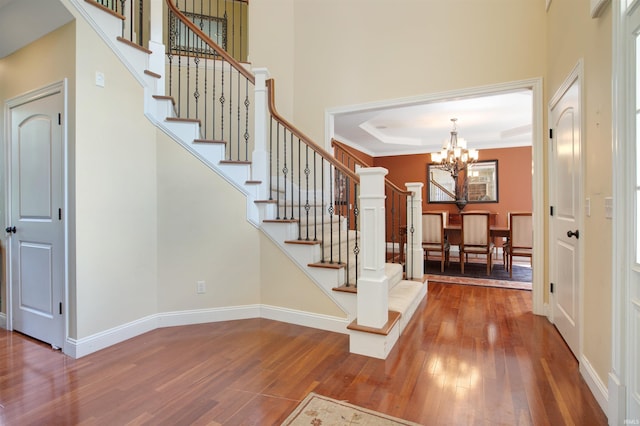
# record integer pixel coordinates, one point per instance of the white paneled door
(36, 227)
(565, 170)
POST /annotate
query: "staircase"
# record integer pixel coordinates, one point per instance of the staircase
(316, 228)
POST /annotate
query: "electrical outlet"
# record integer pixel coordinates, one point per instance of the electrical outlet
(201, 287)
(99, 79)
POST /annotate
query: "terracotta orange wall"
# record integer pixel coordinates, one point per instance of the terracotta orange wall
(514, 179)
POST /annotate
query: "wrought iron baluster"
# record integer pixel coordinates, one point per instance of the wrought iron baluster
(356, 248)
(247, 104)
(307, 207)
(291, 164)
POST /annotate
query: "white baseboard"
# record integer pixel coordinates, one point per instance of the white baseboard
(203, 316)
(3, 320)
(306, 319)
(88, 345)
(597, 386)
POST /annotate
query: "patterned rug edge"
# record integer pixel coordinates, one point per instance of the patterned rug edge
(311, 411)
(511, 285)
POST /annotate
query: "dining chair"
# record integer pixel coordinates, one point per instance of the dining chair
(475, 237)
(433, 239)
(520, 237)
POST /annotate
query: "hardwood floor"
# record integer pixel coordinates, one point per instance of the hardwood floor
(472, 355)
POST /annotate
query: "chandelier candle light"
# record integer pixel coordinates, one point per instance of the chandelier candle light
(454, 158)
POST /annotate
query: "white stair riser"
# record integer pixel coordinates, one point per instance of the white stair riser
(238, 173)
(214, 153)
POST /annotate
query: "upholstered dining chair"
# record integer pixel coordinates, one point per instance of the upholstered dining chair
(520, 237)
(433, 239)
(475, 237)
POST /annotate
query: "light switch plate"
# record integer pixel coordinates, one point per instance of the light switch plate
(99, 79)
(587, 207)
(608, 207)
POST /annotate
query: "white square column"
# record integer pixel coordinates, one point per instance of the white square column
(373, 285)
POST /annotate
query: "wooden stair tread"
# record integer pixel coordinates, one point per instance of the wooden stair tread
(152, 74)
(267, 202)
(346, 289)
(165, 98)
(183, 120)
(280, 220)
(253, 182)
(105, 9)
(327, 265)
(212, 141)
(134, 45)
(303, 242)
(235, 162)
(393, 319)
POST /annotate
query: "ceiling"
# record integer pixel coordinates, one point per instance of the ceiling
(498, 120)
(25, 21)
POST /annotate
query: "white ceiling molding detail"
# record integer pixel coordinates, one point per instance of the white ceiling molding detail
(498, 116)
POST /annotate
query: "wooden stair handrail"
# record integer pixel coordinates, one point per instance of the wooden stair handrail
(212, 44)
(304, 138)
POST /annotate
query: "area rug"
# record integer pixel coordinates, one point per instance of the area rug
(476, 274)
(318, 410)
(479, 270)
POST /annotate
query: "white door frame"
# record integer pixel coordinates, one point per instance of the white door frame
(575, 76)
(537, 190)
(625, 228)
(60, 86)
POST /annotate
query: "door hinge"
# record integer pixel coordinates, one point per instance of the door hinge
(550, 133)
(59, 214)
(60, 308)
(550, 210)
(551, 287)
(59, 119)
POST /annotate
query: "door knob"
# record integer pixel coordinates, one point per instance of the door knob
(10, 229)
(575, 233)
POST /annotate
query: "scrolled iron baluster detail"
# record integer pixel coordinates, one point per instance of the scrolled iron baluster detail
(285, 172)
(307, 207)
(356, 212)
(247, 104)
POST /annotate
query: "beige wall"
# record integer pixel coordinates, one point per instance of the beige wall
(572, 34)
(202, 238)
(271, 45)
(351, 52)
(115, 191)
(203, 235)
(47, 60)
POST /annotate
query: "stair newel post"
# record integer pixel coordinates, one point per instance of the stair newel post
(373, 284)
(260, 157)
(156, 45)
(414, 254)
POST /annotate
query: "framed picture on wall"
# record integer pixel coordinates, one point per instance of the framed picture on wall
(482, 182)
(478, 183)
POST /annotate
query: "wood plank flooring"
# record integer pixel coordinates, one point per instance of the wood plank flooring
(471, 356)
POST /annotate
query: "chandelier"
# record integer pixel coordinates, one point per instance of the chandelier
(454, 157)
